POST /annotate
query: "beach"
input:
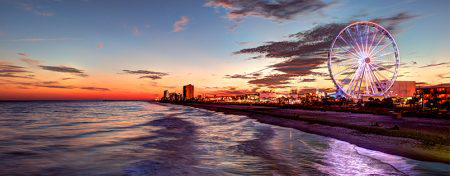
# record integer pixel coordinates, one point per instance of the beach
(415, 138)
(141, 138)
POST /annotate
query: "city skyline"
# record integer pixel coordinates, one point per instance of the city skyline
(136, 50)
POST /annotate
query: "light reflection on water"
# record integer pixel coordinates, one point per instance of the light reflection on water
(139, 138)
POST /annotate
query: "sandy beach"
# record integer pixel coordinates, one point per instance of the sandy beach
(415, 138)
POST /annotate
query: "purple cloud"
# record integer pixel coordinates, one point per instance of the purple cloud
(274, 10)
(180, 24)
(146, 74)
(64, 69)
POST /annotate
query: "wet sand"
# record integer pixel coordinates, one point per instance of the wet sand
(358, 129)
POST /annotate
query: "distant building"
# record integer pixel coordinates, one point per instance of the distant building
(437, 94)
(175, 96)
(403, 89)
(308, 91)
(166, 95)
(188, 92)
(267, 96)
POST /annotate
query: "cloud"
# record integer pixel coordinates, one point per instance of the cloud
(12, 71)
(35, 10)
(146, 74)
(23, 54)
(391, 23)
(435, 65)
(64, 69)
(31, 62)
(304, 52)
(153, 77)
(180, 24)
(100, 45)
(7, 68)
(95, 88)
(10, 75)
(308, 80)
(278, 10)
(239, 76)
(52, 85)
(230, 91)
(66, 79)
(444, 75)
(270, 80)
(45, 84)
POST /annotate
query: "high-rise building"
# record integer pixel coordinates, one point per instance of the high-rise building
(188, 92)
(166, 95)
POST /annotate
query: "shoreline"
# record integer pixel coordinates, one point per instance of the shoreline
(428, 144)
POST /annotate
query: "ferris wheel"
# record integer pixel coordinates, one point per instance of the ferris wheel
(363, 60)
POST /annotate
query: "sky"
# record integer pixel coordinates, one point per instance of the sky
(121, 49)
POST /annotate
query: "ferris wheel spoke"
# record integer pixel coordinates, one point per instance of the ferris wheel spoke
(356, 55)
(375, 53)
(361, 39)
(376, 46)
(367, 38)
(384, 61)
(372, 80)
(349, 44)
(353, 66)
(355, 80)
(387, 60)
(346, 64)
(352, 81)
(373, 39)
(345, 78)
(359, 35)
(345, 59)
(382, 86)
(382, 55)
(361, 79)
(366, 76)
(384, 68)
(382, 75)
(376, 78)
(354, 41)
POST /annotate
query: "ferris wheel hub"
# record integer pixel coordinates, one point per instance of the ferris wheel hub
(367, 60)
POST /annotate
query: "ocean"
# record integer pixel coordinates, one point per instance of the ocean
(142, 138)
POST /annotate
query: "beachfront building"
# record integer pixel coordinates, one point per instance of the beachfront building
(166, 95)
(188, 92)
(402, 89)
(175, 97)
(434, 96)
(268, 97)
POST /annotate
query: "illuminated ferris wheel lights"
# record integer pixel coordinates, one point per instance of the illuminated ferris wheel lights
(363, 60)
